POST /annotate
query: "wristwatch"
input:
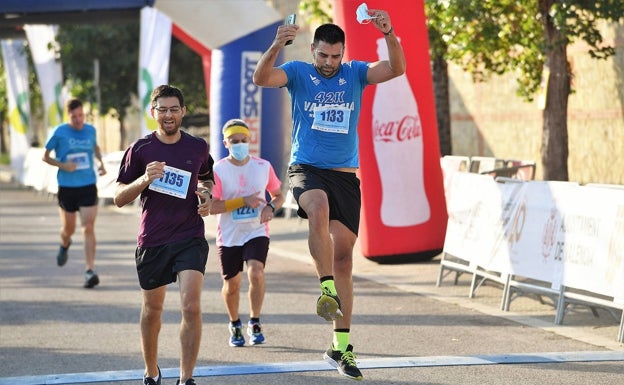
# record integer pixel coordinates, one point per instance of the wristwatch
(272, 206)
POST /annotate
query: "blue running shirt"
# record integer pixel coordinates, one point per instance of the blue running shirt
(76, 146)
(325, 113)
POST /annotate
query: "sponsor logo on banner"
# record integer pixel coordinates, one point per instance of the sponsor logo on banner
(251, 99)
(549, 236)
(581, 235)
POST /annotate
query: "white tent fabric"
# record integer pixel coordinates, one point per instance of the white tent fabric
(215, 23)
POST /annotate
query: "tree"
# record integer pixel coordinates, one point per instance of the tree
(116, 46)
(530, 38)
(439, 67)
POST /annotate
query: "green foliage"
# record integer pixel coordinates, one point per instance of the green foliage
(316, 10)
(186, 71)
(4, 102)
(117, 48)
(488, 37)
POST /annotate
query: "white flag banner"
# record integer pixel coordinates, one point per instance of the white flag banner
(42, 42)
(16, 73)
(155, 47)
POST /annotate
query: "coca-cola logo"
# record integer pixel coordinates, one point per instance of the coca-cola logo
(407, 128)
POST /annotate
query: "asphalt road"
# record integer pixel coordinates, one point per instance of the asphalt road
(405, 329)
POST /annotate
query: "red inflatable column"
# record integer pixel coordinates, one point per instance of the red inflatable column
(403, 208)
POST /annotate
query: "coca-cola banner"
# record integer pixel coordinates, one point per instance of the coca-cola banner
(403, 207)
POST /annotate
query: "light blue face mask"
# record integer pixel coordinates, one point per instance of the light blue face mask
(239, 151)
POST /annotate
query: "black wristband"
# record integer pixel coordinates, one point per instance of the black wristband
(272, 206)
(389, 31)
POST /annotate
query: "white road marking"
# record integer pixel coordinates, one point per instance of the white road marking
(309, 366)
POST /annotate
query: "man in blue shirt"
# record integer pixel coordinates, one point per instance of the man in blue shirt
(75, 146)
(326, 96)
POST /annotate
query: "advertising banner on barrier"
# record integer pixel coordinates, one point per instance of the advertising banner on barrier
(535, 248)
(155, 47)
(16, 71)
(403, 207)
(474, 208)
(506, 228)
(539, 230)
(593, 240)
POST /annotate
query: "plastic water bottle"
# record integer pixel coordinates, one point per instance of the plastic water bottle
(398, 144)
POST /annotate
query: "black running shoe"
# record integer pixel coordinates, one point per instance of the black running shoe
(344, 362)
(61, 257)
(150, 381)
(91, 279)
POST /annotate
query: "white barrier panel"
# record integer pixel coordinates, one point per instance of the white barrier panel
(37, 173)
(503, 227)
(561, 234)
(535, 238)
(107, 184)
(555, 232)
(470, 212)
(593, 234)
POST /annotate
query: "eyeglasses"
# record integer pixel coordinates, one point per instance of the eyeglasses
(164, 110)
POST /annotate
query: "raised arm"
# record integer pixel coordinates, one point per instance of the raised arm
(266, 74)
(384, 70)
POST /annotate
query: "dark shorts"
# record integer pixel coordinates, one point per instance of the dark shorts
(71, 199)
(342, 189)
(233, 258)
(158, 266)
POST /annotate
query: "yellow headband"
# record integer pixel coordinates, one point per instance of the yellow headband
(236, 129)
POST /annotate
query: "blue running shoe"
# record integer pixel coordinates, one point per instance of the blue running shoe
(236, 335)
(254, 331)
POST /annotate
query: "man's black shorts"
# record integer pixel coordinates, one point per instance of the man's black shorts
(158, 266)
(71, 199)
(342, 189)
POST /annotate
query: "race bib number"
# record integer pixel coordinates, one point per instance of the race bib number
(245, 214)
(81, 159)
(175, 182)
(331, 119)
